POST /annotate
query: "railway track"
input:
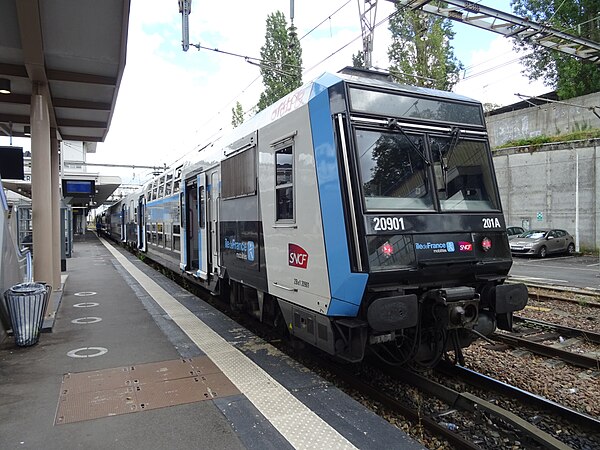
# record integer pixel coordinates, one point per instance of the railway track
(570, 295)
(532, 436)
(490, 384)
(468, 403)
(540, 331)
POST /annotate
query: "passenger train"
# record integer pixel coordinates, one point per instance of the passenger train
(360, 214)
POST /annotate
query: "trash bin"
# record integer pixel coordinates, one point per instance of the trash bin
(27, 304)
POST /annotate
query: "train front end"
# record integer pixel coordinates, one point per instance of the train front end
(424, 221)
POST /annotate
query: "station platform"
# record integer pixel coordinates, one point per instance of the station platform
(134, 361)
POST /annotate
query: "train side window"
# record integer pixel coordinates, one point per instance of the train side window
(284, 184)
(202, 216)
(177, 180)
(161, 187)
(168, 184)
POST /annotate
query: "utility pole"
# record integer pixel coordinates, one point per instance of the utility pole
(367, 9)
(185, 9)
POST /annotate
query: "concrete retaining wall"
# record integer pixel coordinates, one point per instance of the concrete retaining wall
(538, 187)
(551, 119)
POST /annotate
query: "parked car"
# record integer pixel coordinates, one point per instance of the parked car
(514, 231)
(542, 243)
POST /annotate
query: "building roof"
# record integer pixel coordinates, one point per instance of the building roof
(74, 52)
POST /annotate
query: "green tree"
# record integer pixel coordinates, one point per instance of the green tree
(237, 115)
(569, 75)
(281, 60)
(420, 53)
(358, 60)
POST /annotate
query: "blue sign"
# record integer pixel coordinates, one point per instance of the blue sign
(250, 251)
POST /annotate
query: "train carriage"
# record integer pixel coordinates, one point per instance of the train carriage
(358, 213)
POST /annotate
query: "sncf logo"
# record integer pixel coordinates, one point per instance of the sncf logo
(465, 246)
(297, 257)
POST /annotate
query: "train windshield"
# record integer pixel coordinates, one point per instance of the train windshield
(463, 174)
(393, 168)
(405, 171)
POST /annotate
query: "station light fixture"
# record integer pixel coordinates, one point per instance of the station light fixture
(4, 86)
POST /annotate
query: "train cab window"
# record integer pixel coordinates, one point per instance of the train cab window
(463, 174)
(284, 184)
(393, 170)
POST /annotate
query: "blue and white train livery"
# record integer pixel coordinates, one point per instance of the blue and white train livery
(361, 214)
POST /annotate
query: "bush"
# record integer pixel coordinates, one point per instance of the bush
(539, 140)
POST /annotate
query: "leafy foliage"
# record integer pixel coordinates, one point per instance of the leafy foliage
(281, 60)
(237, 115)
(536, 141)
(420, 53)
(358, 60)
(569, 75)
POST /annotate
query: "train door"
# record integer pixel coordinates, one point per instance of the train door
(203, 239)
(141, 223)
(191, 224)
(213, 209)
(183, 228)
(123, 222)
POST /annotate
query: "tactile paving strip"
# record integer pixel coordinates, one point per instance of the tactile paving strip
(122, 390)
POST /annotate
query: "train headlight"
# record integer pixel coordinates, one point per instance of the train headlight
(486, 244)
(387, 249)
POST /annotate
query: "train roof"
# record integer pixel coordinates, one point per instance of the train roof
(309, 90)
(384, 80)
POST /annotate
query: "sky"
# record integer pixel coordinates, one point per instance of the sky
(172, 103)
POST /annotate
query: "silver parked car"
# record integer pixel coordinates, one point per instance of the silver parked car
(542, 243)
(514, 231)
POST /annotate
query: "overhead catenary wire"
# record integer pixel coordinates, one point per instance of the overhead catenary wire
(593, 109)
(227, 104)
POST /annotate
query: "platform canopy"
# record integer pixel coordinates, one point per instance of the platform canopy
(73, 52)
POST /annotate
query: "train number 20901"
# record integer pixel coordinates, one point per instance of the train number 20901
(388, 223)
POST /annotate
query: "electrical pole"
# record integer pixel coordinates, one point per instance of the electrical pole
(367, 9)
(185, 9)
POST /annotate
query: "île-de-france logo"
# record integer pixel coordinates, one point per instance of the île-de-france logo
(436, 247)
(243, 249)
(297, 256)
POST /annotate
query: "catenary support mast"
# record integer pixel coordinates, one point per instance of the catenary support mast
(511, 26)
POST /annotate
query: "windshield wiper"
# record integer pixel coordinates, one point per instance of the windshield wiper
(455, 135)
(393, 124)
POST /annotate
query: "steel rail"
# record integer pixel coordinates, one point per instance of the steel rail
(554, 292)
(488, 383)
(575, 359)
(589, 336)
(470, 402)
(375, 394)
